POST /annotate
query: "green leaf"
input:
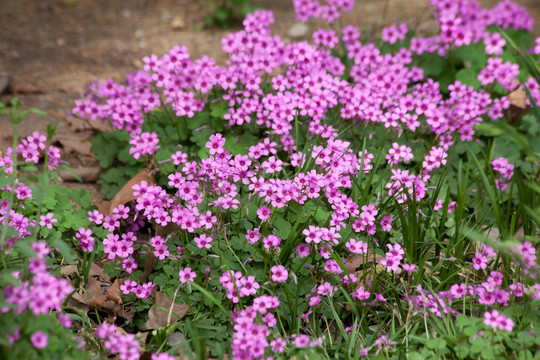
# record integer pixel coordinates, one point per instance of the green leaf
(432, 63)
(469, 76)
(237, 243)
(252, 210)
(169, 270)
(473, 53)
(321, 216)
(65, 250)
(462, 320)
(488, 129)
(219, 108)
(234, 145)
(471, 330)
(282, 227)
(437, 344)
(201, 137)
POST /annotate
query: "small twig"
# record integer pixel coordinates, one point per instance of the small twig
(172, 305)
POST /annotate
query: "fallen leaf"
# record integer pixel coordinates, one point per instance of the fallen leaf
(142, 336)
(125, 194)
(170, 228)
(68, 270)
(86, 173)
(5, 82)
(23, 86)
(5, 143)
(354, 262)
(99, 293)
(175, 338)
(103, 206)
(518, 105)
(178, 23)
(157, 317)
(113, 292)
(518, 98)
(74, 143)
(78, 124)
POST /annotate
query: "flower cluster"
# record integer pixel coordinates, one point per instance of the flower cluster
(505, 171)
(393, 257)
(330, 12)
(123, 345)
(43, 293)
(321, 182)
(238, 286)
(31, 149)
(505, 73)
(498, 321)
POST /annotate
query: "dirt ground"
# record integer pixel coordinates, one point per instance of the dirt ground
(52, 48)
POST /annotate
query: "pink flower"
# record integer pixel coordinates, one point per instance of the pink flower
(263, 212)
(494, 44)
(271, 241)
(272, 165)
(215, 144)
(128, 286)
(386, 223)
(253, 236)
(361, 293)
(409, 268)
(391, 263)
(39, 340)
(249, 286)
(301, 341)
(95, 217)
(65, 321)
(47, 220)
(303, 250)
(187, 275)
(278, 345)
(479, 261)
(279, 273)
(356, 247)
(498, 321)
(203, 241)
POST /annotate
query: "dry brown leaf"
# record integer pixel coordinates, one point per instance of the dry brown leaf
(5, 82)
(354, 262)
(23, 86)
(170, 228)
(125, 194)
(142, 336)
(74, 143)
(87, 173)
(5, 143)
(76, 124)
(159, 318)
(94, 295)
(518, 98)
(113, 292)
(103, 206)
(518, 104)
(68, 270)
(99, 293)
(76, 300)
(151, 261)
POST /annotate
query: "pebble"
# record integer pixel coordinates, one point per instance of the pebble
(298, 30)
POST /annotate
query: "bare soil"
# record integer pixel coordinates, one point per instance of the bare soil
(56, 47)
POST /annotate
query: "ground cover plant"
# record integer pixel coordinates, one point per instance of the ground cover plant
(331, 198)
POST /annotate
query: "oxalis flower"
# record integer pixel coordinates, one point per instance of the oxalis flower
(39, 339)
(498, 321)
(186, 275)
